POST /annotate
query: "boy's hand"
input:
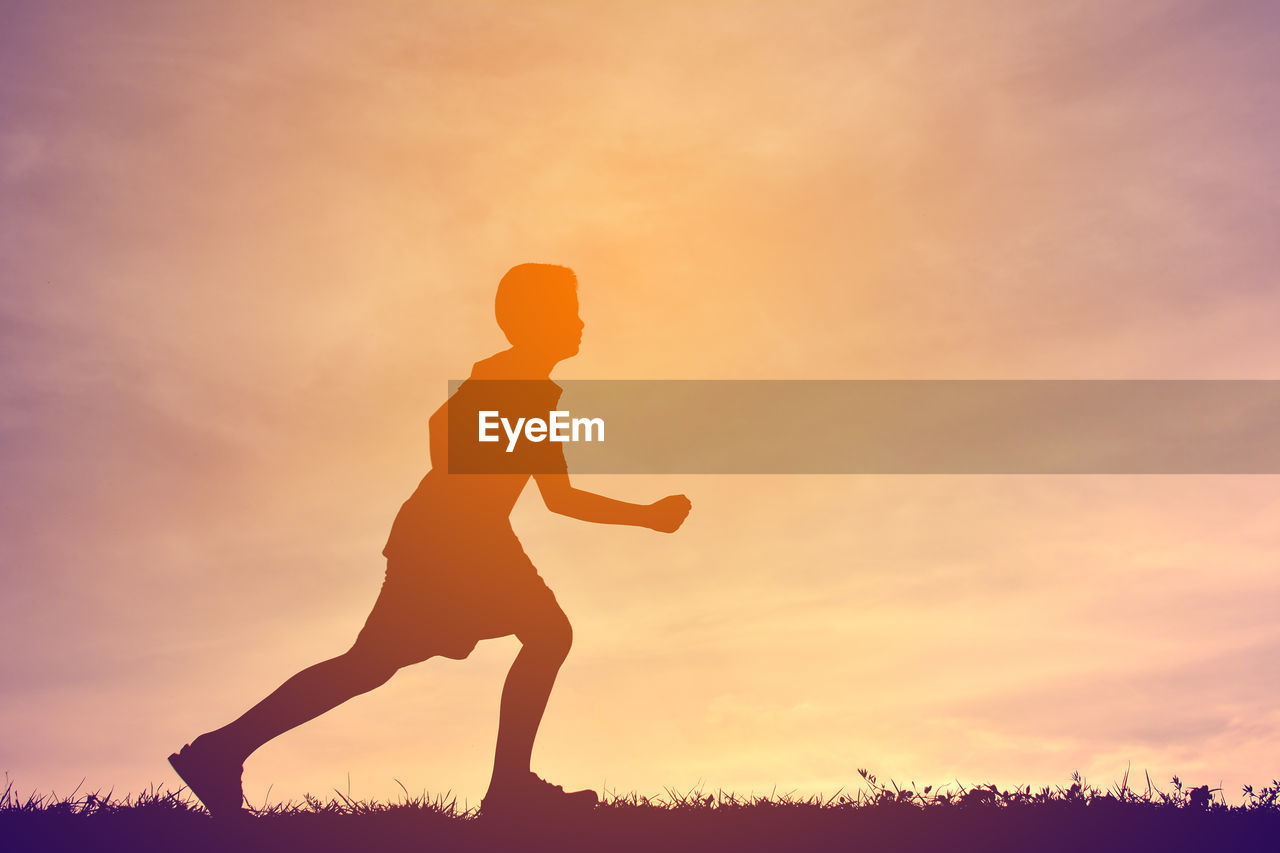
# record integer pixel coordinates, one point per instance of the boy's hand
(666, 515)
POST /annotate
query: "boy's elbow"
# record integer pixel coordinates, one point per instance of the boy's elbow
(560, 502)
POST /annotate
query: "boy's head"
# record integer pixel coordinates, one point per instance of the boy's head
(537, 308)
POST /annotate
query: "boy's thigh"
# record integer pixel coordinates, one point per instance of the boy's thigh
(411, 622)
(528, 609)
(407, 626)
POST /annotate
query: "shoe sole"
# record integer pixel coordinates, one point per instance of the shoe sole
(523, 811)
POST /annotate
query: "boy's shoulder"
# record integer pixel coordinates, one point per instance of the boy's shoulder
(497, 366)
(503, 367)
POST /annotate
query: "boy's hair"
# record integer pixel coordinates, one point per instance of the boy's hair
(524, 292)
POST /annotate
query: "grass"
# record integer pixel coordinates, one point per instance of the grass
(875, 817)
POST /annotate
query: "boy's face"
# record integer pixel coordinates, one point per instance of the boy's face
(556, 330)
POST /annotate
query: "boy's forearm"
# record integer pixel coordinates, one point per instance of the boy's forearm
(588, 506)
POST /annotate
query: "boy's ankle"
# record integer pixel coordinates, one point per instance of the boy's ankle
(508, 780)
(221, 744)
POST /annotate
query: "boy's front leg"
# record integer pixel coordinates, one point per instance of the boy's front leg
(513, 787)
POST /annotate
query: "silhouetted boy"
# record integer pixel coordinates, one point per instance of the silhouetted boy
(456, 573)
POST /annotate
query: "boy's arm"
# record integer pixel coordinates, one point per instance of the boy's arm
(561, 497)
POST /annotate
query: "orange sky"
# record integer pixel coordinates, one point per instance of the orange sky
(244, 246)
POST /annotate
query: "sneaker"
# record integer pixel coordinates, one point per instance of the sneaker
(533, 796)
(213, 778)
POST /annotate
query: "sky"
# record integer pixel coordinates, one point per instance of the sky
(244, 247)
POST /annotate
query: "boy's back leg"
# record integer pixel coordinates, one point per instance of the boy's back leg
(211, 764)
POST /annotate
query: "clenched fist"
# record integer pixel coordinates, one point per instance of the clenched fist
(666, 515)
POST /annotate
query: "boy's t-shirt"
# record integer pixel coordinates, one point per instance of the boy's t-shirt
(460, 509)
(507, 406)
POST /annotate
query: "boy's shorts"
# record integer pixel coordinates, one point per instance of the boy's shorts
(445, 604)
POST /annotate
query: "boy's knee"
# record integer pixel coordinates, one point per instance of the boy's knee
(561, 639)
(552, 636)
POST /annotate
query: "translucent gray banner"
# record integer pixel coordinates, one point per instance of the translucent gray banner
(900, 427)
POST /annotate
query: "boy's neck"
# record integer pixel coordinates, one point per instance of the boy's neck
(529, 364)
